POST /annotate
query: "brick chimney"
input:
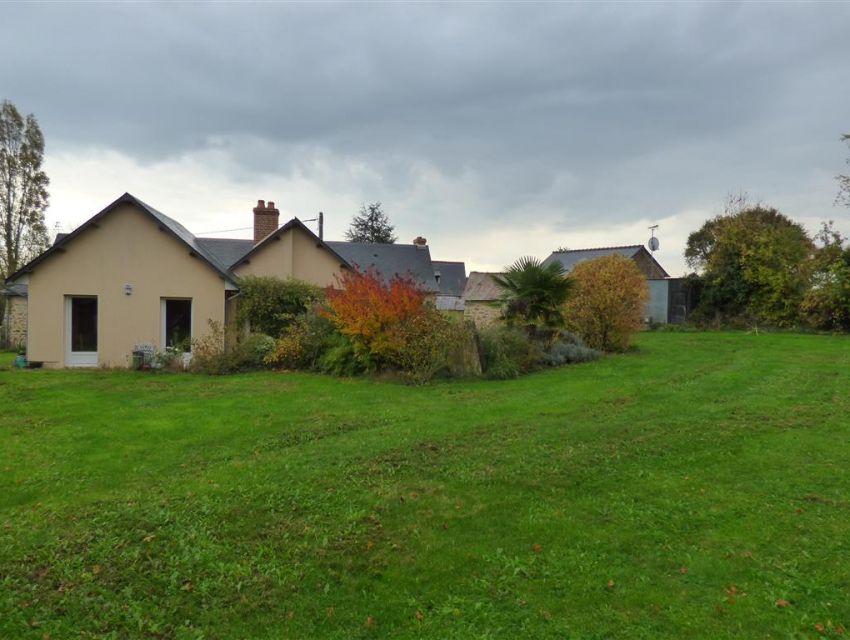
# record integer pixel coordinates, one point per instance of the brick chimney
(420, 242)
(266, 219)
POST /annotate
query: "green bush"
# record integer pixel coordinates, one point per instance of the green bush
(245, 353)
(341, 359)
(303, 343)
(269, 305)
(437, 346)
(508, 352)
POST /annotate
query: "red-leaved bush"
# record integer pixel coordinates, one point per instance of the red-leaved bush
(373, 314)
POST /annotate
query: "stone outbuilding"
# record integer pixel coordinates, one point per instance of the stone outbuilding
(482, 298)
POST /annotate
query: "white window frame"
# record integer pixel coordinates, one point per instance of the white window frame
(78, 358)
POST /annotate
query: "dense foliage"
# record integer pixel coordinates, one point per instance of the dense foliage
(534, 293)
(754, 266)
(371, 225)
(23, 189)
(607, 307)
(269, 305)
(826, 304)
(373, 314)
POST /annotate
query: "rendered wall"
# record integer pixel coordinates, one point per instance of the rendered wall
(127, 247)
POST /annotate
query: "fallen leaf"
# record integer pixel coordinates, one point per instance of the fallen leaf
(610, 584)
(330, 612)
(369, 545)
(96, 569)
(683, 570)
(536, 548)
(290, 614)
(420, 616)
(820, 628)
(782, 603)
(148, 538)
(370, 621)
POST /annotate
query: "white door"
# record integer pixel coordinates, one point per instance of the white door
(81, 331)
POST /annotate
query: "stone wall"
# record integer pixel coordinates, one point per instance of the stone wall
(15, 331)
(482, 314)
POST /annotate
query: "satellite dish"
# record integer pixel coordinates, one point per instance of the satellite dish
(653, 244)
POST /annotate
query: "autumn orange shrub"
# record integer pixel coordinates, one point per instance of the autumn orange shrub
(374, 315)
(608, 302)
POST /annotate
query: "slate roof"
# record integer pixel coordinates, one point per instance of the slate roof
(452, 278)
(14, 290)
(571, 258)
(404, 260)
(166, 224)
(480, 287)
(227, 250)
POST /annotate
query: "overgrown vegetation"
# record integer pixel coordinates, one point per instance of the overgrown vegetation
(607, 308)
(269, 305)
(645, 496)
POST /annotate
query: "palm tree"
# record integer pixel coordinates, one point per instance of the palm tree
(534, 293)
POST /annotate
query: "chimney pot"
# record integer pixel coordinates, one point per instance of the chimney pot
(419, 241)
(266, 219)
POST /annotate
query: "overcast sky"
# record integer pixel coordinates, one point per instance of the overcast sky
(493, 130)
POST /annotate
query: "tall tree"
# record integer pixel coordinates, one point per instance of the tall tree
(23, 189)
(754, 265)
(371, 225)
(844, 181)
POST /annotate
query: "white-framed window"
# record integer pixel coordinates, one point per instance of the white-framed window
(177, 323)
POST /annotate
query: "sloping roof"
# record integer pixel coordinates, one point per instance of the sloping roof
(452, 278)
(165, 223)
(227, 250)
(480, 287)
(390, 260)
(571, 258)
(275, 235)
(14, 290)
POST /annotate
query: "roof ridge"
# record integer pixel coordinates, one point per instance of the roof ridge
(621, 246)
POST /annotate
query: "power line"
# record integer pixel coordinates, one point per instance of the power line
(227, 230)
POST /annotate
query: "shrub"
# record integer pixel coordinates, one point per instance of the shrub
(245, 353)
(507, 352)
(269, 305)
(607, 306)
(372, 314)
(303, 343)
(564, 352)
(340, 358)
(436, 345)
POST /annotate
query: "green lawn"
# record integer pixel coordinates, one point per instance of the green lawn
(676, 492)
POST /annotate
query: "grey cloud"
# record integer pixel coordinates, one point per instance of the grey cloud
(598, 111)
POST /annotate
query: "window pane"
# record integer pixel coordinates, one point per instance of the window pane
(83, 324)
(178, 323)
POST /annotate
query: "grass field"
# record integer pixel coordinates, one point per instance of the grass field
(697, 488)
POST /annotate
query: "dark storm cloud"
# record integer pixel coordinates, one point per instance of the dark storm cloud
(600, 110)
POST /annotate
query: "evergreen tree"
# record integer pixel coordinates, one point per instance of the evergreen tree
(371, 225)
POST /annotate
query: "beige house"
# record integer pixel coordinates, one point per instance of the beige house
(132, 276)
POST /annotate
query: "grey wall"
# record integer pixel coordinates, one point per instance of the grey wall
(656, 308)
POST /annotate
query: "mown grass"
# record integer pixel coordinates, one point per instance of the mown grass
(677, 492)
